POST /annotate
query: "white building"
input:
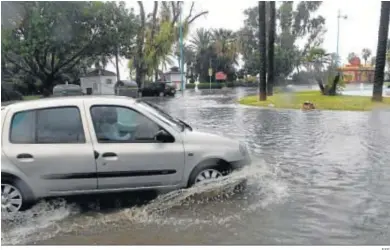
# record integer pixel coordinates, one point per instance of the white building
(174, 76)
(98, 82)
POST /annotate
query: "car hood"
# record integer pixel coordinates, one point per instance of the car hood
(208, 139)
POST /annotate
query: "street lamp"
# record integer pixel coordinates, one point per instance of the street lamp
(339, 16)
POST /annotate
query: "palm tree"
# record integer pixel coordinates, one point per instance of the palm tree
(381, 52)
(366, 53)
(262, 49)
(225, 46)
(271, 43)
(201, 45)
(201, 41)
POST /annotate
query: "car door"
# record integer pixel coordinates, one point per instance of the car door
(129, 156)
(51, 147)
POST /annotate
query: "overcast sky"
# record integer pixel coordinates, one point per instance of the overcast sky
(358, 31)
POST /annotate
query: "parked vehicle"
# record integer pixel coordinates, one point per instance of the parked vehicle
(96, 144)
(126, 88)
(67, 90)
(158, 89)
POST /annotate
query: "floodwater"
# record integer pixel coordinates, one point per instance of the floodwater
(317, 177)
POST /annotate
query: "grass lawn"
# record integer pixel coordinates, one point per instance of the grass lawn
(296, 99)
(31, 97)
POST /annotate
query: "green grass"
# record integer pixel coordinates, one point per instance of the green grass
(31, 97)
(296, 99)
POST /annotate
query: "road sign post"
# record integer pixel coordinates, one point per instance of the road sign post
(210, 74)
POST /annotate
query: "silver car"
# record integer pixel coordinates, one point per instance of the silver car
(96, 144)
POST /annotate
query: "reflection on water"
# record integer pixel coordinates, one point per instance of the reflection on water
(318, 177)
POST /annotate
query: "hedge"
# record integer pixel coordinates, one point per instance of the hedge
(219, 85)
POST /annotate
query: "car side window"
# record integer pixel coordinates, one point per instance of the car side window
(121, 124)
(51, 125)
(22, 128)
(59, 125)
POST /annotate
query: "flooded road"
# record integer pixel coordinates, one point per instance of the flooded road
(317, 177)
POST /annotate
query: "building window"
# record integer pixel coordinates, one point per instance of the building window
(109, 81)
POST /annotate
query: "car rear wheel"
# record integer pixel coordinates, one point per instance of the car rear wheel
(12, 199)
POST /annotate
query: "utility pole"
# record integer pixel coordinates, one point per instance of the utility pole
(339, 16)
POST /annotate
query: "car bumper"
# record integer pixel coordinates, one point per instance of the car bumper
(241, 163)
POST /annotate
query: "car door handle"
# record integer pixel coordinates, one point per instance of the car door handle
(24, 156)
(109, 154)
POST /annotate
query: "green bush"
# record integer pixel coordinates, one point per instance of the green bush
(219, 85)
(251, 79)
(214, 85)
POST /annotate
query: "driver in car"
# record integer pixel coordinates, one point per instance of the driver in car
(107, 125)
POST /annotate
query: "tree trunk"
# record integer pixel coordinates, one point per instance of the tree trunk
(140, 72)
(118, 77)
(156, 74)
(381, 52)
(47, 86)
(262, 49)
(271, 43)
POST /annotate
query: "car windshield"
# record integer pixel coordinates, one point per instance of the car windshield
(162, 115)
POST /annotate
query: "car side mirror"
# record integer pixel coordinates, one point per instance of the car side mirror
(163, 136)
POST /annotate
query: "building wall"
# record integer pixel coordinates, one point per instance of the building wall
(100, 85)
(176, 79)
(107, 85)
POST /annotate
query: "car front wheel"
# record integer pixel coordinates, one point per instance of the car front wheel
(205, 174)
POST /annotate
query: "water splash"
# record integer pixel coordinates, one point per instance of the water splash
(262, 188)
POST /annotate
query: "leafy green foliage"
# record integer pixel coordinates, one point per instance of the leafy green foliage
(54, 41)
(217, 49)
(293, 25)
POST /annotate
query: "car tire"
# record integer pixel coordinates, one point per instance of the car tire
(197, 172)
(18, 190)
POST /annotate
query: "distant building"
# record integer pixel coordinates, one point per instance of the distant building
(98, 82)
(174, 76)
(355, 72)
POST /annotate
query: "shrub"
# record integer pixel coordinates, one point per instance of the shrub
(214, 85)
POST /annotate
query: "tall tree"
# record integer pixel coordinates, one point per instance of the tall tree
(262, 50)
(366, 53)
(158, 34)
(49, 40)
(294, 26)
(383, 33)
(271, 44)
(351, 56)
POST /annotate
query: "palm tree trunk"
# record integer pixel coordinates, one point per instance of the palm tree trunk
(381, 52)
(271, 43)
(262, 50)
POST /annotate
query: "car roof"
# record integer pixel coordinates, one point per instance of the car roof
(68, 99)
